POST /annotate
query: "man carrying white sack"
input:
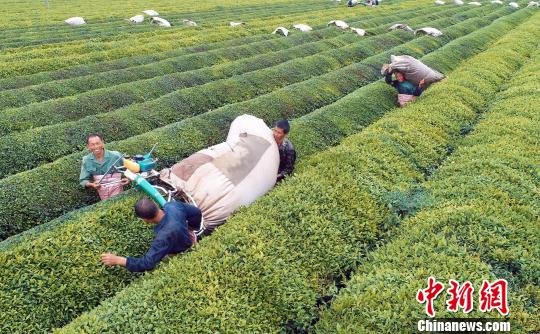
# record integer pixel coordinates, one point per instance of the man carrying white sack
(412, 77)
(407, 91)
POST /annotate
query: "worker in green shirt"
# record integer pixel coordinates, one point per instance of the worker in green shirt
(96, 172)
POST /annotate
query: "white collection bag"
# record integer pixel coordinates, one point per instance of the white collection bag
(226, 176)
(415, 70)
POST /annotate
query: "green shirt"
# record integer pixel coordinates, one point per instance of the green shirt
(91, 166)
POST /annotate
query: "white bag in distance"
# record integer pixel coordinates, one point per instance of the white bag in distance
(226, 176)
(415, 70)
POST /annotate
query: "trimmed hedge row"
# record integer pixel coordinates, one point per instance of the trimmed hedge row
(57, 89)
(100, 9)
(186, 71)
(318, 223)
(320, 129)
(121, 63)
(119, 29)
(99, 24)
(91, 81)
(105, 23)
(181, 139)
(183, 37)
(54, 141)
(313, 132)
(479, 225)
(93, 236)
(23, 38)
(124, 62)
(80, 47)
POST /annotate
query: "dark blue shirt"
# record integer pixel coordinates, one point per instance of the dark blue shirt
(172, 235)
(404, 87)
(287, 158)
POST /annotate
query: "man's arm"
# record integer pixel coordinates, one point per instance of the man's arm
(419, 89)
(156, 253)
(388, 79)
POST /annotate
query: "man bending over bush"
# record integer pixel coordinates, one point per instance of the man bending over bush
(174, 231)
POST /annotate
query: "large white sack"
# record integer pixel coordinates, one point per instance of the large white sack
(234, 173)
(75, 21)
(415, 70)
(150, 12)
(160, 22)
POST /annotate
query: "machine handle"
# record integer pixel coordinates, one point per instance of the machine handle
(145, 186)
(149, 154)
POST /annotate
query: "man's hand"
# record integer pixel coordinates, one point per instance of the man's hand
(113, 260)
(125, 182)
(93, 185)
(421, 83)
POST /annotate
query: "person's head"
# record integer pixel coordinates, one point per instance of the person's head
(95, 143)
(148, 211)
(281, 130)
(400, 77)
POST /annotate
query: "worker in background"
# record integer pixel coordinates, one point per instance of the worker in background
(287, 153)
(407, 91)
(96, 171)
(174, 233)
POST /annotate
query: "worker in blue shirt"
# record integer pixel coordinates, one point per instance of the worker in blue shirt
(174, 233)
(407, 91)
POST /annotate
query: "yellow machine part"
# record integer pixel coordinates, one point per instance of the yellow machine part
(132, 165)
